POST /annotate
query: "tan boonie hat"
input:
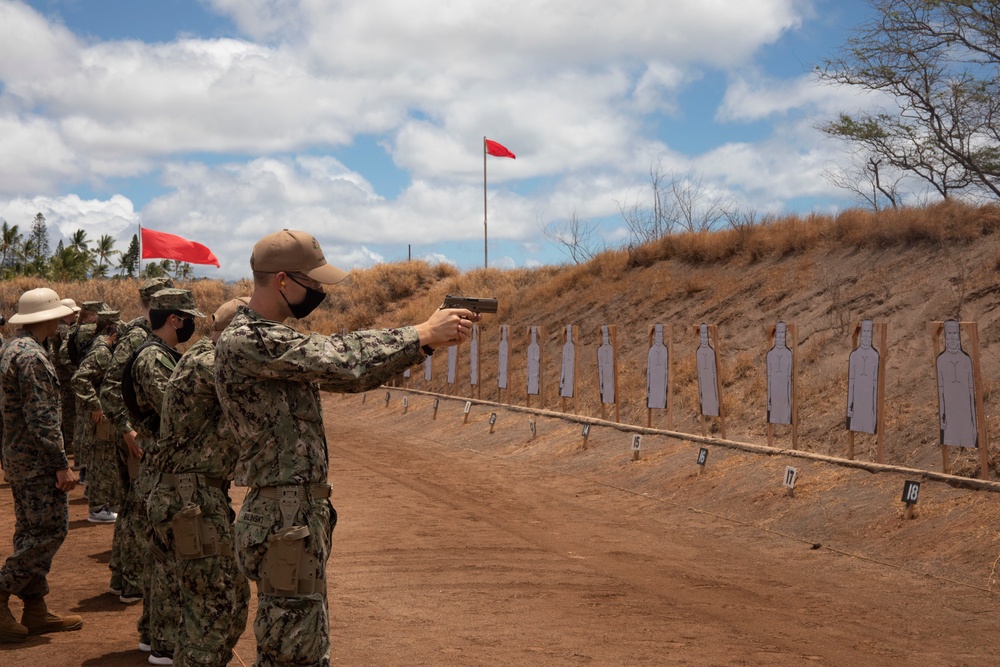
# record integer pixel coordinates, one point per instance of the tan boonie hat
(107, 316)
(181, 300)
(92, 306)
(39, 305)
(152, 286)
(69, 303)
(227, 311)
(293, 251)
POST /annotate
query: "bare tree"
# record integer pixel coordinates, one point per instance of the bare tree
(871, 178)
(575, 237)
(937, 60)
(678, 203)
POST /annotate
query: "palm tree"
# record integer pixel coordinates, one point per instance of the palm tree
(104, 251)
(78, 240)
(69, 264)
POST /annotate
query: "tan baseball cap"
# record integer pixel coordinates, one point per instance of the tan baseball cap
(39, 305)
(293, 251)
(227, 311)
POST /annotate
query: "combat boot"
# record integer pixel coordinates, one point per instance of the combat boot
(38, 619)
(10, 630)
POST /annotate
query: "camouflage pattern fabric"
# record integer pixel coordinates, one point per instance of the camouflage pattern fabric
(195, 438)
(103, 485)
(161, 597)
(32, 454)
(64, 372)
(128, 548)
(268, 377)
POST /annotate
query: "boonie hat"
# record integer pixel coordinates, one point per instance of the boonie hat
(180, 300)
(152, 286)
(69, 303)
(227, 311)
(39, 305)
(293, 251)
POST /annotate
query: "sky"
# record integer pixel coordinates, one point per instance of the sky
(363, 122)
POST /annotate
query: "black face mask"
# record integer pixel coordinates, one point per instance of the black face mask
(185, 332)
(309, 302)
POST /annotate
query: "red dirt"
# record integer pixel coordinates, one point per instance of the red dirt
(460, 547)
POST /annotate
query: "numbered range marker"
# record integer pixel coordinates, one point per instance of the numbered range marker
(702, 456)
(636, 444)
(493, 420)
(585, 434)
(531, 427)
(406, 405)
(911, 492)
(387, 397)
(791, 474)
(468, 406)
(437, 401)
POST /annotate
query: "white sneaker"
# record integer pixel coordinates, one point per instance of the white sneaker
(161, 658)
(103, 515)
(146, 648)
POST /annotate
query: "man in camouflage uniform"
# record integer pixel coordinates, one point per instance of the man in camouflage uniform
(127, 553)
(268, 377)
(190, 509)
(64, 373)
(35, 466)
(72, 349)
(103, 486)
(171, 318)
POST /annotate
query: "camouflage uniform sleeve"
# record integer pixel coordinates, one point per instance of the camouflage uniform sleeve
(42, 410)
(88, 377)
(352, 362)
(152, 371)
(111, 388)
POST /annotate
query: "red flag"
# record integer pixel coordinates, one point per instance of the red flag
(496, 150)
(160, 245)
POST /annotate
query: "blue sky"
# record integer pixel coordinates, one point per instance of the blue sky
(224, 120)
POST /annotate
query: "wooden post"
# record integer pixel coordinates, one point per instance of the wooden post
(883, 363)
(982, 436)
(436, 401)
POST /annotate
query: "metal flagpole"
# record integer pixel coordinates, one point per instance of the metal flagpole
(139, 274)
(486, 263)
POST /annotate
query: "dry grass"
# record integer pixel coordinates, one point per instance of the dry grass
(905, 267)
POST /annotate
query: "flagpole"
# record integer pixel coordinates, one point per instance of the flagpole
(486, 263)
(139, 274)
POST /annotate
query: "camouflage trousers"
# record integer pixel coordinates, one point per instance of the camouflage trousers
(288, 630)
(103, 484)
(214, 594)
(41, 523)
(82, 436)
(127, 554)
(68, 400)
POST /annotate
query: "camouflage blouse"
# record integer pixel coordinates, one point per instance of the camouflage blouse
(32, 411)
(268, 377)
(194, 435)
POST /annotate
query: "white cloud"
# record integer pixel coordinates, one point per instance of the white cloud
(755, 97)
(65, 215)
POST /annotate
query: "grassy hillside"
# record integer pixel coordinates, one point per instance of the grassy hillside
(906, 268)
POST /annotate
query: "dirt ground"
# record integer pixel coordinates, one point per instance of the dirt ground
(461, 546)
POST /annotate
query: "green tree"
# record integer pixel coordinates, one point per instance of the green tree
(10, 244)
(36, 248)
(937, 60)
(69, 264)
(103, 252)
(129, 263)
